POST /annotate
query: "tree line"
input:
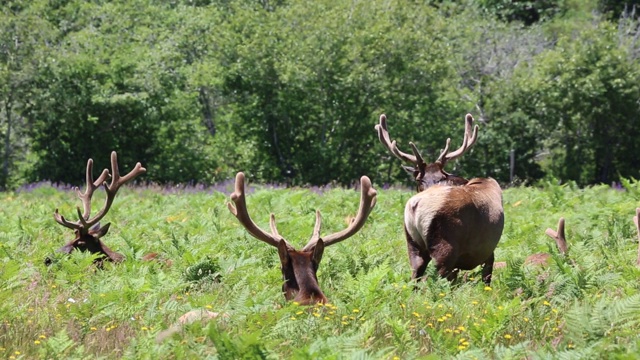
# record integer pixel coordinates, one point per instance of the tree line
(289, 91)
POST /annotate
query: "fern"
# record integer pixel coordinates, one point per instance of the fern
(244, 346)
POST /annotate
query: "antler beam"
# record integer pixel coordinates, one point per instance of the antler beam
(468, 141)
(385, 139)
(367, 202)
(241, 213)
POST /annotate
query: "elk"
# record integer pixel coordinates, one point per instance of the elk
(452, 220)
(87, 230)
(542, 259)
(299, 268)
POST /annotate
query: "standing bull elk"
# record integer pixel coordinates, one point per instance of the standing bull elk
(452, 220)
(87, 229)
(299, 268)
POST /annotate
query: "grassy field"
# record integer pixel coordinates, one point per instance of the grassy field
(586, 310)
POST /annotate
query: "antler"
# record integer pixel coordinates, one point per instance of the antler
(383, 135)
(558, 236)
(467, 142)
(635, 221)
(241, 213)
(367, 202)
(85, 223)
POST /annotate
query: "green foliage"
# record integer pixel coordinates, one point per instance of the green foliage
(289, 91)
(206, 269)
(528, 12)
(585, 304)
(248, 346)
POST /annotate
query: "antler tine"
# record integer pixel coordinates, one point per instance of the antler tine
(112, 189)
(116, 179)
(559, 237)
(367, 202)
(414, 148)
(62, 221)
(85, 197)
(441, 159)
(91, 187)
(316, 229)
(467, 142)
(383, 135)
(241, 213)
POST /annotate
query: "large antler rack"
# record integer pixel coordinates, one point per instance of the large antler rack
(85, 222)
(469, 139)
(239, 210)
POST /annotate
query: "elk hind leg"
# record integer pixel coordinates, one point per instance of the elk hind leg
(418, 259)
(487, 270)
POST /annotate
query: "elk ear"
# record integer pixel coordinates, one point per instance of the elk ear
(318, 250)
(66, 249)
(410, 170)
(283, 252)
(98, 231)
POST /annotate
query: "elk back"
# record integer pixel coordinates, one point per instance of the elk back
(459, 226)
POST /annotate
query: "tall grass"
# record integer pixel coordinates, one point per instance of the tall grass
(590, 309)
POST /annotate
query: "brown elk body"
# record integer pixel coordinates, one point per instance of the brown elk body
(454, 221)
(299, 267)
(87, 229)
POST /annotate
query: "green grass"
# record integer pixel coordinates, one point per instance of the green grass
(73, 310)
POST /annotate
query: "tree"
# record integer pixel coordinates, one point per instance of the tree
(23, 39)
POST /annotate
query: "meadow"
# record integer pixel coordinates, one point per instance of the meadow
(585, 306)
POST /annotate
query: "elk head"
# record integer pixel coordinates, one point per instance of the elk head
(299, 267)
(430, 174)
(87, 229)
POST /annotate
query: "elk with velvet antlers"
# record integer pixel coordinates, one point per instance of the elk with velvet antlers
(452, 220)
(299, 268)
(87, 230)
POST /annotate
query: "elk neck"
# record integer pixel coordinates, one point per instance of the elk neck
(433, 174)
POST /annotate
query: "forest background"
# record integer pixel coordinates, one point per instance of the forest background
(289, 91)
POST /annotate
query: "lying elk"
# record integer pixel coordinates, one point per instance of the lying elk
(87, 230)
(542, 259)
(299, 268)
(452, 220)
